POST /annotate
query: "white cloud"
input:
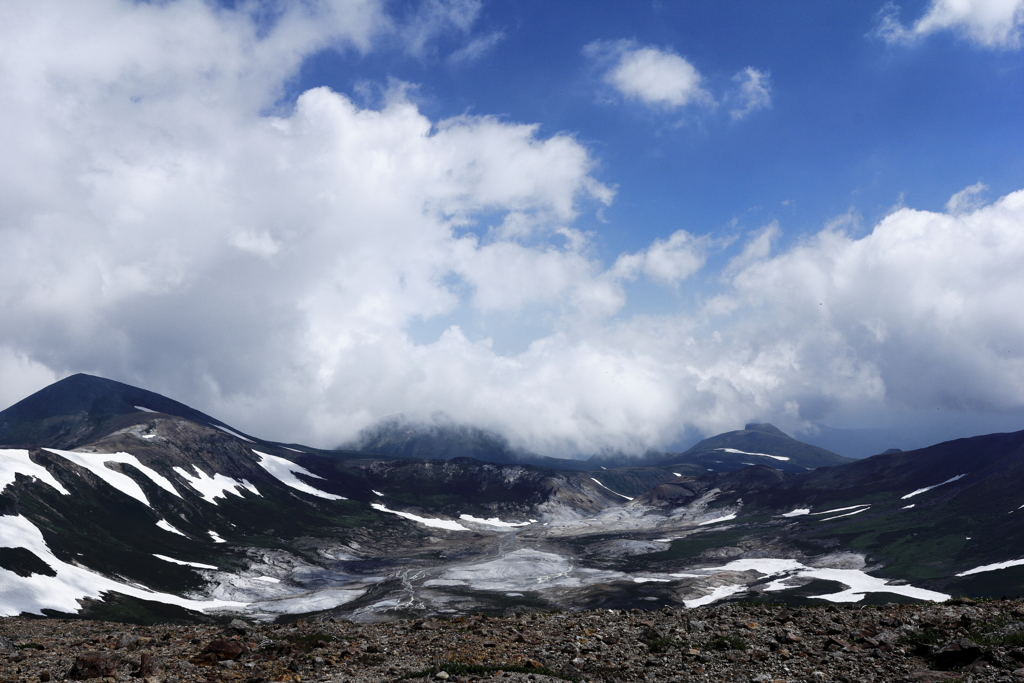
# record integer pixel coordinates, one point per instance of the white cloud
(667, 261)
(158, 229)
(966, 200)
(476, 48)
(753, 93)
(651, 75)
(989, 23)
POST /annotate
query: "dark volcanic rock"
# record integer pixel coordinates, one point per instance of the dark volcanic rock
(94, 665)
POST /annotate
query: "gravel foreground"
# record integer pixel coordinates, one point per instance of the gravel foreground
(957, 640)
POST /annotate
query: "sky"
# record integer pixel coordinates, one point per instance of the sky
(589, 226)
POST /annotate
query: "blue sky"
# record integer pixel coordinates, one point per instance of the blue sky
(587, 226)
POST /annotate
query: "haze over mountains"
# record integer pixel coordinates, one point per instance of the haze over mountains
(119, 502)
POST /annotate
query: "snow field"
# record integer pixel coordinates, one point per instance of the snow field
(97, 464)
(285, 470)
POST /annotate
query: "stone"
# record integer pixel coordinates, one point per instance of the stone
(94, 665)
(225, 649)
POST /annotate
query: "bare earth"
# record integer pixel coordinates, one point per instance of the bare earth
(958, 640)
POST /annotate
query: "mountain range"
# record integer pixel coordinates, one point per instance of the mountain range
(116, 502)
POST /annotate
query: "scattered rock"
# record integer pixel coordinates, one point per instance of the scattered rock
(94, 665)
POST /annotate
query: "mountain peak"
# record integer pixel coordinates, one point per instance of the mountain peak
(764, 427)
(74, 409)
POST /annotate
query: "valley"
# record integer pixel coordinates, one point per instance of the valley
(123, 504)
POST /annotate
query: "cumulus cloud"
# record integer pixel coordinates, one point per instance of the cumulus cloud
(753, 92)
(989, 23)
(653, 76)
(161, 228)
(669, 261)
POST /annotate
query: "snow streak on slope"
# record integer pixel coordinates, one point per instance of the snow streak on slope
(197, 565)
(992, 567)
(765, 455)
(165, 525)
(929, 488)
(96, 463)
(449, 524)
(62, 592)
(217, 486)
(16, 461)
(494, 521)
(285, 470)
(608, 489)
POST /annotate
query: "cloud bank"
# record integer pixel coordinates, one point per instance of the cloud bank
(168, 224)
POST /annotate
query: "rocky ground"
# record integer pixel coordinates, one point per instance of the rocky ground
(957, 640)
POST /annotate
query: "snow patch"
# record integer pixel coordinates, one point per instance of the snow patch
(285, 470)
(197, 565)
(608, 489)
(764, 455)
(907, 507)
(449, 524)
(163, 524)
(268, 579)
(216, 537)
(718, 519)
(62, 592)
(929, 488)
(798, 512)
(377, 493)
(16, 461)
(992, 567)
(855, 512)
(217, 486)
(851, 507)
(97, 464)
(494, 521)
(144, 409)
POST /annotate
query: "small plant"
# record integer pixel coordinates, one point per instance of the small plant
(726, 643)
(661, 644)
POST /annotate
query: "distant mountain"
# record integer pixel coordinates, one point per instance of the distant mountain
(755, 444)
(116, 502)
(443, 439)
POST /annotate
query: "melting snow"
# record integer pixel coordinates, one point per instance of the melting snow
(167, 527)
(929, 488)
(62, 592)
(992, 567)
(797, 512)
(197, 565)
(285, 470)
(217, 486)
(96, 463)
(16, 461)
(494, 521)
(718, 519)
(766, 455)
(449, 524)
(608, 489)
